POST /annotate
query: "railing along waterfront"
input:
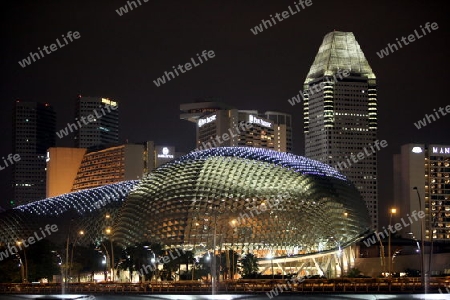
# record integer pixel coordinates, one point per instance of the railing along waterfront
(362, 285)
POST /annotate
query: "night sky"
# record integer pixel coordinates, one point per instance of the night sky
(120, 56)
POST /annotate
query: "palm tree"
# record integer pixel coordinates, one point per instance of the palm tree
(136, 257)
(249, 264)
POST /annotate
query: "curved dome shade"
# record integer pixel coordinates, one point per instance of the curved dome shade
(252, 198)
(87, 208)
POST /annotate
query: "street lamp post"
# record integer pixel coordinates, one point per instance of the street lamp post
(422, 273)
(66, 266)
(213, 260)
(22, 269)
(349, 249)
(214, 278)
(106, 257)
(341, 260)
(193, 249)
(433, 225)
(392, 211)
(109, 232)
(153, 261)
(80, 233)
(63, 291)
(25, 264)
(105, 262)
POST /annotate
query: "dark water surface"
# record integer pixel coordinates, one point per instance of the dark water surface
(232, 297)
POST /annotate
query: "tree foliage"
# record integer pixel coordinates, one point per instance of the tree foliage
(249, 265)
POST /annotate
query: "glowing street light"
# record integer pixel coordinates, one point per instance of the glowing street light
(392, 211)
(80, 234)
(109, 232)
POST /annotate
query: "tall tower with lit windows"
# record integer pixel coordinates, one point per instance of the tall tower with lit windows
(34, 127)
(340, 113)
(96, 122)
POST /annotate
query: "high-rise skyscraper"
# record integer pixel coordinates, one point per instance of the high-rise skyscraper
(340, 113)
(426, 168)
(97, 122)
(33, 133)
(219, 125)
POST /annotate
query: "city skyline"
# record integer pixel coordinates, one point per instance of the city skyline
(248, 71)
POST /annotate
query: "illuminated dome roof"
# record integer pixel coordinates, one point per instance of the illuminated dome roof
(254, 198)
(86, 207)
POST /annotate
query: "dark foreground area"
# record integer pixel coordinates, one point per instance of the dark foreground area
(231, 297)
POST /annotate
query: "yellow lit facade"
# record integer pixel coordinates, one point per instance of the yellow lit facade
(75, 169)
(111, 165)
(62, 168)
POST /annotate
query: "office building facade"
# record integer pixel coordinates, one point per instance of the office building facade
(230, 127)
(340, 113)
(426, 168)
(76, 169)
(34, 126)
(96, 122)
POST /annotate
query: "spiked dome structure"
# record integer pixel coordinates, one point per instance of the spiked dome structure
(254, 199)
